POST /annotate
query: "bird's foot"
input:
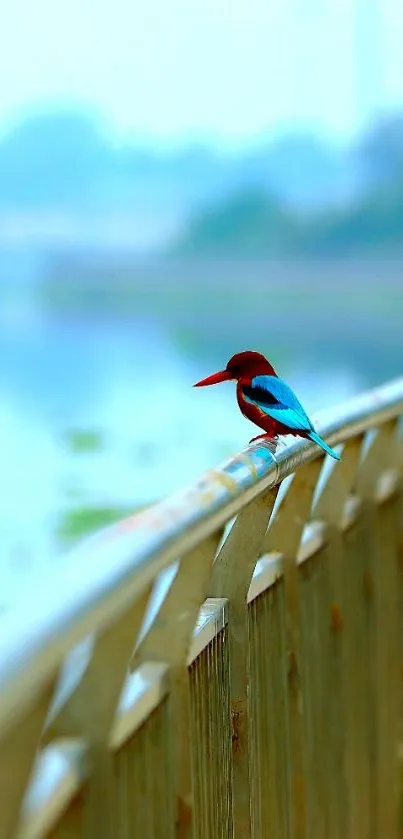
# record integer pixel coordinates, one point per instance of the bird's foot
(259, 437)
(270, 438)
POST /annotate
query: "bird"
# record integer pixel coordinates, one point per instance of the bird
(266, 400)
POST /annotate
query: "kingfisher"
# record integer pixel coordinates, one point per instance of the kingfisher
(266, 400)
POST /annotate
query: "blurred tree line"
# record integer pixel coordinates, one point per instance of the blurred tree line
(293, 194)
(371, 218)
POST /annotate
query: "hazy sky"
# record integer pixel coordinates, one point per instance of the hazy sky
(229, 68)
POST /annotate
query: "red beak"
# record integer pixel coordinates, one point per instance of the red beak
(215, 379)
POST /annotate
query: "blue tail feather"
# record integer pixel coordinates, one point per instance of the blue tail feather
(316, 438)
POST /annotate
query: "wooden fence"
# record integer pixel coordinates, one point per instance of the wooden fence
(227, 663)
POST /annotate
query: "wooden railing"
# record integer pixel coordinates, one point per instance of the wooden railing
(132, 706)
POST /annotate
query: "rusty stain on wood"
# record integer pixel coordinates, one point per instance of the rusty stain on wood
(238, 723)
(250, 465)
(225, 480)
(292, 672)
(184, 817)
(336, 618)
(368, 584)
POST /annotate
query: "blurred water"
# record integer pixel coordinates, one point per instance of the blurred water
(127, 380)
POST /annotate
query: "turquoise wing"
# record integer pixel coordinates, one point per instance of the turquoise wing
(278, 401)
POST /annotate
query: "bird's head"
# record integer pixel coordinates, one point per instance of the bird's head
(242, 365)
